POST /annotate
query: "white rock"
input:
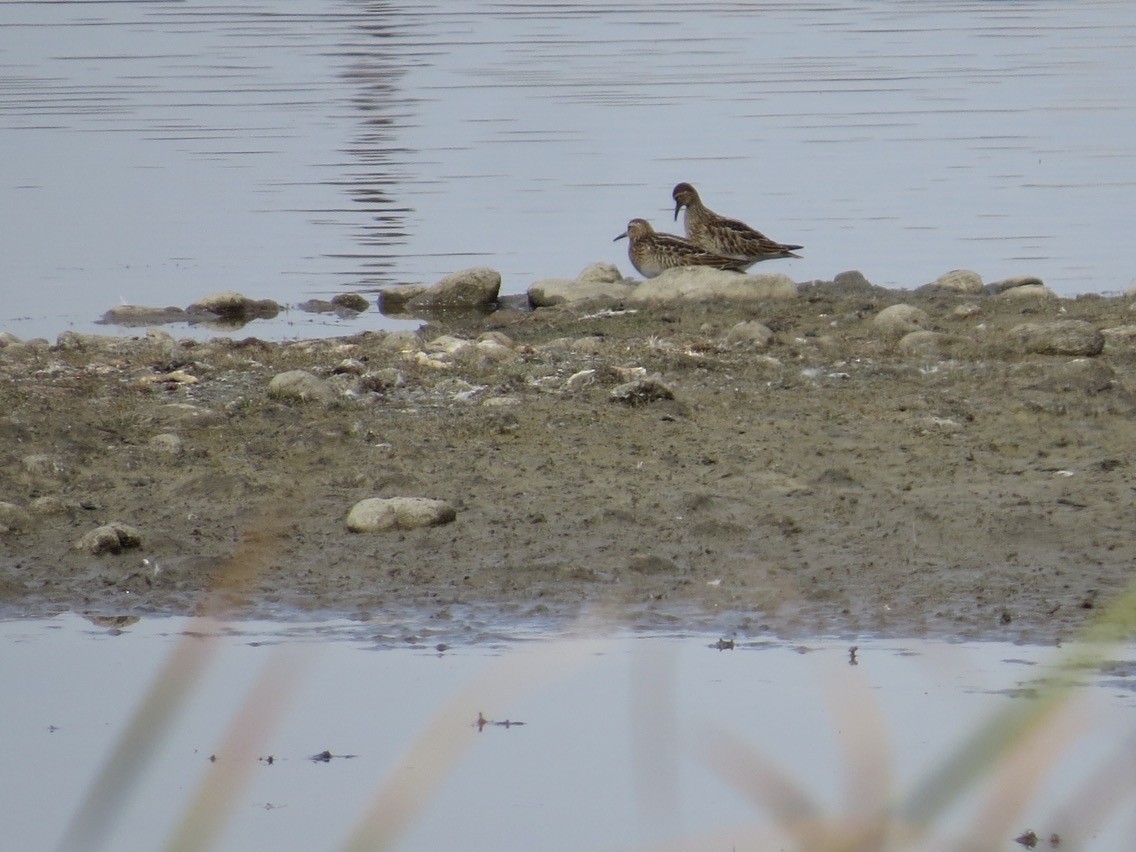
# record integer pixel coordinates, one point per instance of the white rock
(754, 333)
(300, 385)
(1120, 336)
(1027, 291)
(376, 514)
(448, 344)
(400, 341)
(13, 516)
(642, 391)
(1015, 282)
(924, 343)
(580, 379)
(561, 291)
(73, 340)
(184, 413)
(898, 320)
(600, 273)
(167, 442)
(491, 351)
(498, 337)
(703, 284)
(114, 537)
(42, 464)
(959, 281)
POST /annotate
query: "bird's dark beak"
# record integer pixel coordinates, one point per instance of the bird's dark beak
(620, 237)
(678, 206)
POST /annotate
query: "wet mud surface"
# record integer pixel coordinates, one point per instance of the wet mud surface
(831, 482)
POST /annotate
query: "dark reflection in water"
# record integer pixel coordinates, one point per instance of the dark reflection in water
(373, 71)
(155, 152)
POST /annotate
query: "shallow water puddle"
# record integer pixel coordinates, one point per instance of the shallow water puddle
(311, 736)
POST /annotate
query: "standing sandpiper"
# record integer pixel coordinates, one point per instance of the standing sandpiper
(651, 252)
(726, 237)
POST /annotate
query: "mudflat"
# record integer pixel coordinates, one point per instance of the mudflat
(663, 465)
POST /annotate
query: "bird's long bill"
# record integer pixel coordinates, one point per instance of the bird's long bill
(678, 206)
(620, 237)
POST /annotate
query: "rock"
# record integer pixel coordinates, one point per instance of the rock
(752, 333)
(13, 517)
(175, 377)
(393, 300)
(73, 341)
(316, 306)
(232, 305)
(967, 310)
(590, 345)
(598, 282)
(560, 291)
(898, 320)
(50, 505)
(163, 339)
(300, 385)
(42, 465)
(651, 564)
(15, 346)
(493, 352)
(167, 442)
(847, 284)
(498, 337)
(1063, 337)
(1079, 376)
(600, 273)
(8, 339)
(925, 343)
(642, 391)
(349, 367)
(377, 514)
(853, 280)
(400, 341)
(703, 284)
(958, 281)
(469, 289)
(114, 537)
(185, 414)
(135, 315)
(1120, 336)
(502, 402)
(1013, 283)
(448, 344)
(580, 379)
(1028, 291)
(382, 380)
(351, 301)
(933, 425)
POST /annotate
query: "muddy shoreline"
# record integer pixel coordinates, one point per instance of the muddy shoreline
(830, 479)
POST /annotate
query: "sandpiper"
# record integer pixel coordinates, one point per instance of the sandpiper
(726, 237)
(651, 252)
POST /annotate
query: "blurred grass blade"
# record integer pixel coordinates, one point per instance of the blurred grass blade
(990, 743)
(115, 783)
(411, 784)
(248, 733)
(114, 786)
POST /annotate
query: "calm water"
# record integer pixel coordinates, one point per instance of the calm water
(154, 152)
(621, 745)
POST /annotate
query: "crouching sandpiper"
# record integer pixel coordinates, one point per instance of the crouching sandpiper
(651, 252)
